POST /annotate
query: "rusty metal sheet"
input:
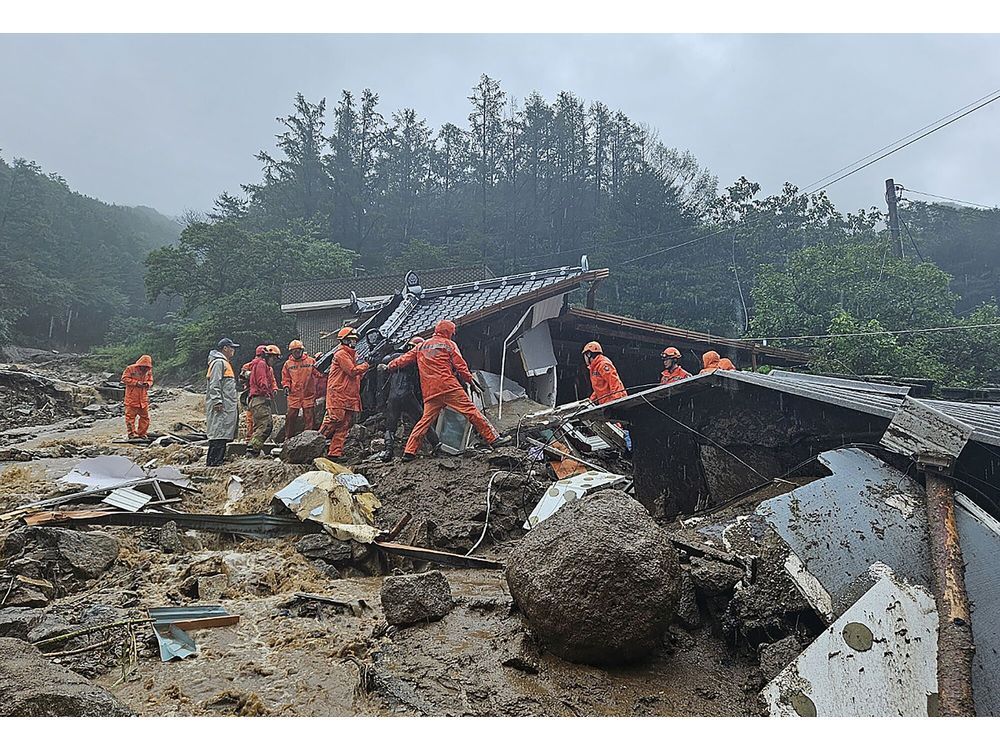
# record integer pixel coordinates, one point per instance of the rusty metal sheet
(926, 434)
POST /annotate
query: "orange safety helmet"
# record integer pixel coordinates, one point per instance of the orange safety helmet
(260, 350)
(296, 344)
(347, 333)
(593, 347)
(273, 349)
(672, 352)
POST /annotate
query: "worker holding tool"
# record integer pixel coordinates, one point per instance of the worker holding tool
(263, 387)
(343, 391)
(138, 379)
(443, 372)
(604, 380)
(672, 370)
(298, 382)
(404, 399)
(221, 404)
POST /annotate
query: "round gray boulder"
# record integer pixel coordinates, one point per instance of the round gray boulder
(598, 581)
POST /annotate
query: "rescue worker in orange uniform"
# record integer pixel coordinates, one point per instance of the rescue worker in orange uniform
(298, 382)
(709, 361)
(343, 391)
(443, 371)
(138, 379)
(263, 387)
(245, 390)
(726, 364)
(672, 370)
(604, 380)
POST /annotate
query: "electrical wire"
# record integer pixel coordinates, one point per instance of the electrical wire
(941, 197)
(912, 241)
(900, 140)
(486, 523)
(909, 142)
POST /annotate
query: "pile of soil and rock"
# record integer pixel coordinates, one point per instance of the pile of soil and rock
(599, 610)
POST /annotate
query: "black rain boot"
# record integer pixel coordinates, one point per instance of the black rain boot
(390, 440)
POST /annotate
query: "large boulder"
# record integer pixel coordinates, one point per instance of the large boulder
(65, 557)
(598, 581)
(408, 599)
(31, 685)
(303, 448)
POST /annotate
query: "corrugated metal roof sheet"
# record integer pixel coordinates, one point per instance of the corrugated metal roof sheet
(984, 419)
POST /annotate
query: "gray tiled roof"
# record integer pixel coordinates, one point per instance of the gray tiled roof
(414, 316)
(321, 290)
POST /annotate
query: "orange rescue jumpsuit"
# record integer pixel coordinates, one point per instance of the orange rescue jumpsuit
(709, 362)
(442, 371)
(297, 377)
(138, 379)
(672, 376)
(343, 397)
(604, 381)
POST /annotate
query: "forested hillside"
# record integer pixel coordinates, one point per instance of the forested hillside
(69, 264)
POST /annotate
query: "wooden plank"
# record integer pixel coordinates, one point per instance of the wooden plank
(431, 555)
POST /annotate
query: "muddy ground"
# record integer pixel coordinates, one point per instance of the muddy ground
(292, 657)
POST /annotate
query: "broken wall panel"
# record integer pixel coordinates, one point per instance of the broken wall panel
(868, 512)
(878, 659)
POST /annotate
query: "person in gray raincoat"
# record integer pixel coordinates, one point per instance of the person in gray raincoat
(221, 404)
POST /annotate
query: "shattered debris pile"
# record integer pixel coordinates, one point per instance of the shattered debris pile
(30, 398)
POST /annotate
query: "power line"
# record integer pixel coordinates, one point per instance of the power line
(952, 200)
(674, 247)
(878, 151)
(912, 241)
(907, 143)
(873, 333)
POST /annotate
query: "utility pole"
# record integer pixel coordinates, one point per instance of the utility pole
(890, 198)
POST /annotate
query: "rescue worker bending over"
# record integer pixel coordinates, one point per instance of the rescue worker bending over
(709, 362)
(726, 364)
(298, 382)
(263, 386)
(604, 380)
(138, 379)
(672, 370)
(443, 372)
(404, 399)
(343, 392)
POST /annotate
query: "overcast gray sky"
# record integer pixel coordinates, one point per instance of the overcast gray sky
(172, 121)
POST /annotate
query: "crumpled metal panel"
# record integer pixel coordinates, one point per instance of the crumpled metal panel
(127, 499)
(878, 659)
(107, 471)
(868, 512)
(926, 434)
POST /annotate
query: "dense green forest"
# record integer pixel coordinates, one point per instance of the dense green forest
(534, 184)
(70, 265)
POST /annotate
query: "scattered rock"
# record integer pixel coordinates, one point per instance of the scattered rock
(688, 613)
(522, 655)
(212, 588)
(30, 685)
(774, 657)
(303, 448)
(714, 577)
(324, 547)
(59, 555)
(421, 597)
(598, 581)
(169, 537)
(16, 622)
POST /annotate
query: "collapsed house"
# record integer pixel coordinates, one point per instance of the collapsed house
(521, 327)
(866, 542)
